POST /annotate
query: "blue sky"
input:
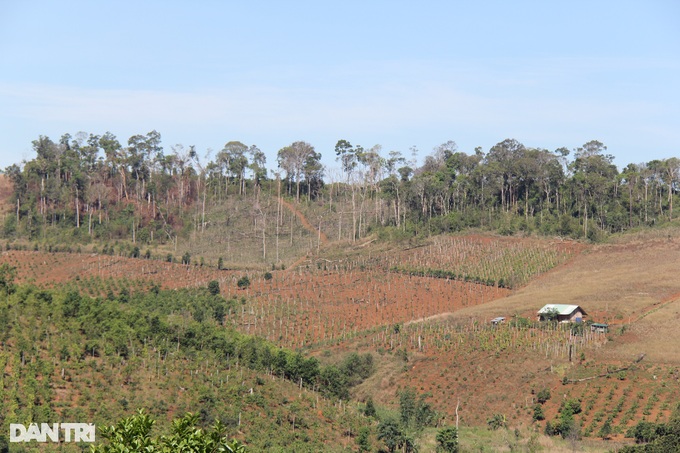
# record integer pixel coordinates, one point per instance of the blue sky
(395, 73)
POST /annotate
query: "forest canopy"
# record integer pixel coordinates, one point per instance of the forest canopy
(95, 184)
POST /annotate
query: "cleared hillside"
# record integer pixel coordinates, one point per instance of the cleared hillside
(430, 331)
(632, 282)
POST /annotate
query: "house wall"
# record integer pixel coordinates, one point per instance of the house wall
(568, 318)
(576, 314)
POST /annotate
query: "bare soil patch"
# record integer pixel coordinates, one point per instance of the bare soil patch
(353, 304)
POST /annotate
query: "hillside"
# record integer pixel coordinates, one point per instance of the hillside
(627, 282)
(631, 281)
(68, 356)
(421, 307)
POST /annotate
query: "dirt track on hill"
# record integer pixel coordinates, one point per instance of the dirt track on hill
(303, 220)
(323, 239)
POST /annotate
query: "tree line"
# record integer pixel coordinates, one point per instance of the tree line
(99, 186)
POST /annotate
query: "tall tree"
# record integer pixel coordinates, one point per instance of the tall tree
(182, 158)
(391, 434)
(313, 170)
(142, 152)
(671, 170)
(115, 160)
(630, 176)
(233, 160)
(20, 186)
(258, 161)
(594, 176)
(293, 158)
(346, 154)
(501, 161)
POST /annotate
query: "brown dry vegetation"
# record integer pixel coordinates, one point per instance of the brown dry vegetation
(345, 299)
(49, 269)
(630, 283)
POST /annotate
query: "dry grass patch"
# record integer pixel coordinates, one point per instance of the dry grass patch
(615, 283)
(656, 334)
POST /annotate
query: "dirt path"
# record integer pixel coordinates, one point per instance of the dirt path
(303, 220)
(307, 225)
(429, 318)
(655, 307)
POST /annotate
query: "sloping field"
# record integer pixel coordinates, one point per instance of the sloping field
(253, 232)
(294, 308)
(49, 269)
(503, 261)
(632, 283)
(433, 334)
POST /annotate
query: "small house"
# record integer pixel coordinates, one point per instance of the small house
(599, 327)
(561, 313)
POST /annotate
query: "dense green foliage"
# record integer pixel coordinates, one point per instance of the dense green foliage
(447, 440)
(133, 434)
(93, 187)
(645, 431)
(538, 413)
(123, 348)
(391, 433)
(565, 425)
(416, 413)
(337, 379)
(243, 282)
(543, 395)
(214, 287)
(656, 438)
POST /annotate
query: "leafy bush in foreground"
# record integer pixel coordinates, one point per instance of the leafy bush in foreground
(134, 434)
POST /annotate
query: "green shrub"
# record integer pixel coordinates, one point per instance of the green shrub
(497, 421)
(214, 287)
(447, 438)
(243, 282)
(543, 396)
(538, 413)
